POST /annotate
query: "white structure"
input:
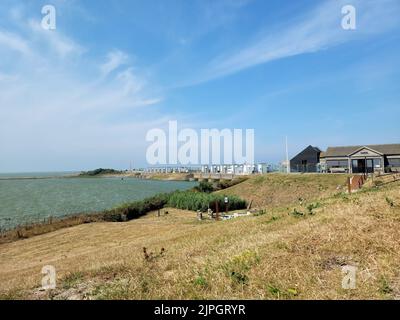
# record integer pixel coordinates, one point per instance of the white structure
(262, 168)
(236, 169)
(172, 169)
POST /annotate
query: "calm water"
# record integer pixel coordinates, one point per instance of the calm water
(32, 200)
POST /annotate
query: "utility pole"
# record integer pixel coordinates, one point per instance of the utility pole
(287, 158)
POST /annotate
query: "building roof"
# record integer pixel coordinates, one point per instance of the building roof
(386, 149)
(315, 149)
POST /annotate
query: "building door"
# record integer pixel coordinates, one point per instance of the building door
(358, 166)
(362, 166)
(303, 165)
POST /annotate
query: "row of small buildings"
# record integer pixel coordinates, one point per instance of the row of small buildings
(234, 169)
(348, 159)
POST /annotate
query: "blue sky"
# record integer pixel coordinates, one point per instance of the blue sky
(84, 96)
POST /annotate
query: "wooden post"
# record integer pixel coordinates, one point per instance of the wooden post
(217, 210)
(349, 184)
(158, 213)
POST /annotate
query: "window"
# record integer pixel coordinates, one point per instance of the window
(337, 163)
(394, 162)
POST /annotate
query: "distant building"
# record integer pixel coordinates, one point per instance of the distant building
(236, 169)
(306, 161)
(351, 159)
(362, 159)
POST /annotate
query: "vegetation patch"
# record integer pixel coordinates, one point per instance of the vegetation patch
(194, 201)
(186, 200)
(312, 206)
(200, 281)
(136, 209)
(72, 279)
(296, 213)
(384, 287)
(97, 172)
(390, 202)
(238, 267)
(278, 293)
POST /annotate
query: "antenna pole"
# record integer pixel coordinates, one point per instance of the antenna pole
(287, 158)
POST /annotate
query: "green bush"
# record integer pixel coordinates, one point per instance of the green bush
(194, 201)
(204, 186)
(136, 209)
(224, 184)
(99, 171)
(187, 200)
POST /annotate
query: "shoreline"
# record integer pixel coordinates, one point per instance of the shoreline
(115, 214)
(135, 175)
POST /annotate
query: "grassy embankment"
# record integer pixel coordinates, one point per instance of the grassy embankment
(292, 250)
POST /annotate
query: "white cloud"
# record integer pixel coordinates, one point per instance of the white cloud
(318, 30)
(115, 59)
(13, 42)
(60, 110)
(57, 42)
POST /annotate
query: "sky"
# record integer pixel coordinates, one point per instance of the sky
(84, 95)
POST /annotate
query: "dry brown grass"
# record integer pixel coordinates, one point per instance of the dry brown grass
(274, 255)
(272, 190)
(51, 225)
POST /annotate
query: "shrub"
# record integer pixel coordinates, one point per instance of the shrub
(194, 201)
(205, 186)
(136, 209)
(99, 172)
(224, 184)
(186, 200)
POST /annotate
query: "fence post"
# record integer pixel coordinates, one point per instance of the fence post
(349, 184)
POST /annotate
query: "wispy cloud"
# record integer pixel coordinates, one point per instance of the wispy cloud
(56, 102)
(13, 42)
(318, 30)
(115, 59)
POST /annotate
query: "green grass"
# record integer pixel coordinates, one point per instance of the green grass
(194, 201)
(187, 200)
(99, 171)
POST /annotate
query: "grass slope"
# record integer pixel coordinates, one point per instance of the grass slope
(278, 189)
(288, 252)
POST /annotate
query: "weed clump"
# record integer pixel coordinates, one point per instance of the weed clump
(237, 268)
(297, 214)
(151, 256)
(313, 206)
(390, 202)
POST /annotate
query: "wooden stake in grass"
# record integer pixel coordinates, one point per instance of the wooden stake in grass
(349, 184)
